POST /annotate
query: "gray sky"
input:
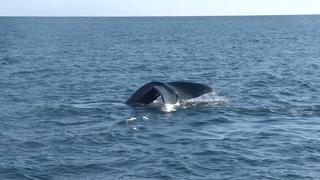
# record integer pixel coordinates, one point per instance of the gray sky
(156, 7)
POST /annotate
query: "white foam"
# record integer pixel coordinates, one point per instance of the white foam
(131, 119)
(206, 99)
(170, 107)
(209, 99)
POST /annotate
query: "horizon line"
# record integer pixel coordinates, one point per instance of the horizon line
(138, 16)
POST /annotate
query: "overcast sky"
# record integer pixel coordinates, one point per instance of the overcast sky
(156, 7)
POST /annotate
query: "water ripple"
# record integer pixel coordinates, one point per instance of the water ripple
(64, 83)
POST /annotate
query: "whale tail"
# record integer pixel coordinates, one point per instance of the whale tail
(170, 92)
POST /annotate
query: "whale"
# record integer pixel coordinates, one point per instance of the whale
(168, 92)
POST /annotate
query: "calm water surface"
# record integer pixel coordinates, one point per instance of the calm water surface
(64, 81)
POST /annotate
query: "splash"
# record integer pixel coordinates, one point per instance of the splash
(206, 99)
(170, 107)
(209, 99)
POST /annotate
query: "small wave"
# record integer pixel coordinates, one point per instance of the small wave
(32, 145)
(62, 124)
(131, 119)
(137, 118)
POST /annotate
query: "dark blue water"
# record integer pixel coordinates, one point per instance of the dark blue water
(64, 81)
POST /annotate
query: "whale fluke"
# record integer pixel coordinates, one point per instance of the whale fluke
(170, 92)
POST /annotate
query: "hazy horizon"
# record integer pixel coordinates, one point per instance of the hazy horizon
(138, 16)
(145, 8)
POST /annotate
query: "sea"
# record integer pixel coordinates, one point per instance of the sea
(64, 82)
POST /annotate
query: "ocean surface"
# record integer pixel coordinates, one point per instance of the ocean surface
(64, 83)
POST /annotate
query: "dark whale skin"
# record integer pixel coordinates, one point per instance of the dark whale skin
(170, 92)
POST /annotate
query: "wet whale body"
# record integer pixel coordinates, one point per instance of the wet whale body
(169, 92)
